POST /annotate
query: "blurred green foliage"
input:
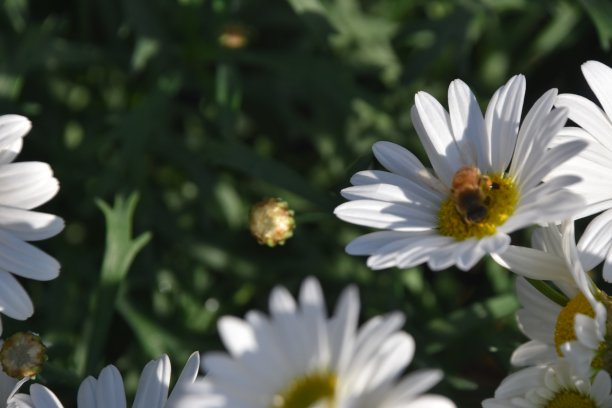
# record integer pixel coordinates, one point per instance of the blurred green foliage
(148, 96)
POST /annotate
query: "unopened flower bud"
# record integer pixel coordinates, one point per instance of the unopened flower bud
(271, 222)
(22, 355)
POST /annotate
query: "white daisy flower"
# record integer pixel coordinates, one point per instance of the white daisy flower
(23, 186)
(573, 325)
(107, 390)
(487, 181)
(555, 385)
(593, 163)
(298, 357)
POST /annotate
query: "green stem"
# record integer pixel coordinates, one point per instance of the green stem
(548, 291)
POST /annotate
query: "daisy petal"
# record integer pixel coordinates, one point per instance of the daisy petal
(595, 243)
(152, 391)
(589, 116)
(502, 120)
(43, 397)
(14, 300)
(378, 214)
(26, 260)
(26, 184)
(599, 77)
(468, 125)
(432, 124)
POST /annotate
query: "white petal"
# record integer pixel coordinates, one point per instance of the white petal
(586, 331)
(109, 388)
(547, 203)
(595, 243)
(549, 160)
(188, 375)
(433, 127)
(533, 136)
(14, 300)
(533, 353)
(430, 401)
(497, 243)
(533, 264)
(23, 259)
(26, 184)
(447, 256)
(409, 251)
(370, 243)
(86, 396)
(502, 121)
(12, 129)
(468, 125)
(412, 385)
(379, 214)
(43, 397)
(589, 116)
(152, 391)
(29, 225)
(237, 335)
(397, 159)
(342, 327)
(599, 77)
(389, 193)
(426, 189)
(312, 305)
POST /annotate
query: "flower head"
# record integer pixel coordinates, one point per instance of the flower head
(271, 222)
(487, 181)
(298, 357)
(554, 385)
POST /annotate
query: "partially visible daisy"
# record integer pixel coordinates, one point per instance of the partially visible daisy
(594, 163)
(107, 390)
(554, 385)
(487, 181)
(298, 357)
(569, 324)
(23, 186)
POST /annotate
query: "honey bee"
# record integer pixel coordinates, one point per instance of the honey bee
(469, 192)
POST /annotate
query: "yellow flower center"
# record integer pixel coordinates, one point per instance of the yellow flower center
(497, 202)
(305, 392)
(570, 399)
(564, 328)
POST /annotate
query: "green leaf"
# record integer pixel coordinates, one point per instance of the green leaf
(121, 249)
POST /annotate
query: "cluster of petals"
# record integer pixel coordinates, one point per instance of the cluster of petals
(405, 201)
(23, 186)
(107, 391)
(267, 357)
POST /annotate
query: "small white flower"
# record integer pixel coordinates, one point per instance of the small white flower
(487, 182)
(107, 390)
(23, 186)
(551, 386)
(593, 164)
(573, 329)
(298, 357)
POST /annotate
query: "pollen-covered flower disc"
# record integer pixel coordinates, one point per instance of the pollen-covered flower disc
(486, 181)
(554, 385)
(300, 358)
(23, 186)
